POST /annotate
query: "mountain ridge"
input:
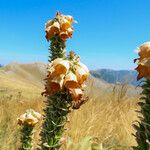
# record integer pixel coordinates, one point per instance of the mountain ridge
(116, 76)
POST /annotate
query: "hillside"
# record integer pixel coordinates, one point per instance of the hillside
(24, 77)
(114, 76)
(107, 116)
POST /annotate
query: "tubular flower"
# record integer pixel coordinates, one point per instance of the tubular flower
(60, 66)
(71, 81)
(143, 67)
(64, 35)
(65, 24)
(69, 18)
(56, 83)
(76, 94)
(61, 25)
(30, 118)
(84, 67)
(70, 32)
(82, 74)
(144, 50)
(65, 73)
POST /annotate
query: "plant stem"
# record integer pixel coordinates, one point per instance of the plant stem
(143, 127)
(27, 137)
(57, 106)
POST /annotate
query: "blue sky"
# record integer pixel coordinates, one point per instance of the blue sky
(107, 33)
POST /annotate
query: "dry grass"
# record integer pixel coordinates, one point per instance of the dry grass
(11, 106)
(107, 116)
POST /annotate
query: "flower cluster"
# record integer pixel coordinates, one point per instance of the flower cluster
(29, 118)
(61, 25)
(67, 73)
(143, 67)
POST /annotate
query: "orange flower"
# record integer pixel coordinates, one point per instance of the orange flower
(65, 24)
(49, 23)
(60, 66)
(64, 35)
(69, 18)
(70, 32)
(144, 50)
(71, 81)
(84, 67)
(143, 67)
(76, 94)
(56, 83)
(30, 117)
(52, 30)
(81, 74)
(61, 25)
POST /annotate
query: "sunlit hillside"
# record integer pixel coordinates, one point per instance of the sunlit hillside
(107, 117)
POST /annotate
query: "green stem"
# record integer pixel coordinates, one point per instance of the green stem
(143, 127)
(57, 48)
(56, 111)
(57, 106)
(27, 137)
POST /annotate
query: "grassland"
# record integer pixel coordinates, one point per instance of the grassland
(107, 116)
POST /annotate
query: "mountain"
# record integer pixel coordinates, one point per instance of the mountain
(116, 76)
(35, 73)
(28, 79)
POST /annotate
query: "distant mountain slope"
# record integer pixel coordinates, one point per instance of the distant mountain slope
(28, 79)
(34, 72)
(24, 78)
(113, 76)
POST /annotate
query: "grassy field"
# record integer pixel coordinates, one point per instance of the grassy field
(107, 117)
